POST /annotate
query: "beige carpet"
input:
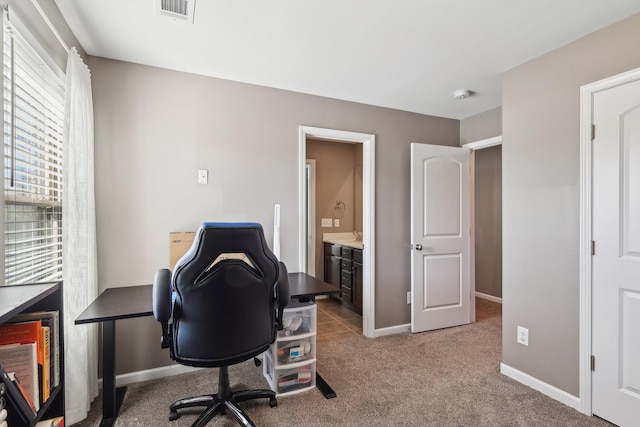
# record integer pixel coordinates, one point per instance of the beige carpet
(448, 377)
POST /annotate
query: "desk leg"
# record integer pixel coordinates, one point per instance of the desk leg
(321, 384)
(111, 398)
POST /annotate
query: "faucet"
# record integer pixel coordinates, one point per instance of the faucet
(358, 236)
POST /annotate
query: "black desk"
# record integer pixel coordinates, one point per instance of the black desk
(137, 301)
(302, 286)
(113, 304)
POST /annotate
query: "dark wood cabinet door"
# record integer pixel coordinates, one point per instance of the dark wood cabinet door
(343, 269)
(357, 287)
(334, 275)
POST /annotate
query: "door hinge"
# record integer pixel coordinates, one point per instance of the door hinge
(593, 363)
(593, 247)
(593, 132)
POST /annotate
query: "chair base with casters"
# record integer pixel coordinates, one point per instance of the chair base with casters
(222, 402)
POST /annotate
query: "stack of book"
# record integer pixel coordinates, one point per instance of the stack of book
(30, 361)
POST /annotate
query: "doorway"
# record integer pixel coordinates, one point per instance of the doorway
(335, 193)
(487, 218)
(486, 221)
(368, 210)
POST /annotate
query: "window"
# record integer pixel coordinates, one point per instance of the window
(33, 143)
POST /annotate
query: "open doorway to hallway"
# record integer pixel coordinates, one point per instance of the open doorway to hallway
(488, 222)
(486, 156)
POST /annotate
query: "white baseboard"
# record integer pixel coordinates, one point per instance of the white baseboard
(170, 370)
(151, 374)
(544, 388)
(489, 297)
(391, 330)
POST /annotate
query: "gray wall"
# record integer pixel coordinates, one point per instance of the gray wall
(540, 156)
(154, 128)
(481, 126)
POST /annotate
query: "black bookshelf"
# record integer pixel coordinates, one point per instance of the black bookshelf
(18, 299)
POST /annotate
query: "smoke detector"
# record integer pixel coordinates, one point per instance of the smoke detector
(178, 10)
(462, 94)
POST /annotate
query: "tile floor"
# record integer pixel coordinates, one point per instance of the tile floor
(336, 322)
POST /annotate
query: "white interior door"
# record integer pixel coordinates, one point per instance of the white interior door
(440, 237)
(616, 263)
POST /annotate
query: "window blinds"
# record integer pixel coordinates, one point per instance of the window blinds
(33, 143)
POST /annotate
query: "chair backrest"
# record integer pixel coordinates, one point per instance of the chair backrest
(224, 308)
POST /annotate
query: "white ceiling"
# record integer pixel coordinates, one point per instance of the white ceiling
(404, 54)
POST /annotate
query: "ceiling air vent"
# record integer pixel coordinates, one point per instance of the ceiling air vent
(178, 10)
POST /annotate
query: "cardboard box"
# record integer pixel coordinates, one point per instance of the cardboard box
(179, 243)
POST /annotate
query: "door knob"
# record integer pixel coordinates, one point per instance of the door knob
(418, 247)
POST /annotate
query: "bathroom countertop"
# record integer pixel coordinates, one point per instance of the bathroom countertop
(344, 239)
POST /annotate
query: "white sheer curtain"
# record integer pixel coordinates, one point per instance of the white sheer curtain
(80, 275)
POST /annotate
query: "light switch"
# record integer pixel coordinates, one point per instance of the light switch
(326, 222)
(203, 176)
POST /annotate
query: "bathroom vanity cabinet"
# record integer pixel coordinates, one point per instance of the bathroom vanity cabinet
(343, 269)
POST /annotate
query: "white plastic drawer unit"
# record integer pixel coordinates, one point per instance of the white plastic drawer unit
(295, 351)
(290, 362)
(291, 378)
(298, 319)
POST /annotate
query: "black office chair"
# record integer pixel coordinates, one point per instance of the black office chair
(221, 306)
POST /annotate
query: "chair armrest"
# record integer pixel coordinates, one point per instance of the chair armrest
(283, 294)
(162, 301)
(162, 295)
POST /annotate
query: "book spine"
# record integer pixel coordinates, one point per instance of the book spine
(56, 348)
(46, 362)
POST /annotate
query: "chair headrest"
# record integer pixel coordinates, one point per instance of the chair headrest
(218, 241)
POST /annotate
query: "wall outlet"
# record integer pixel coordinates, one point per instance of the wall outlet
(326, 222)
(408, 297)
(523, 336)
(336, 222)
